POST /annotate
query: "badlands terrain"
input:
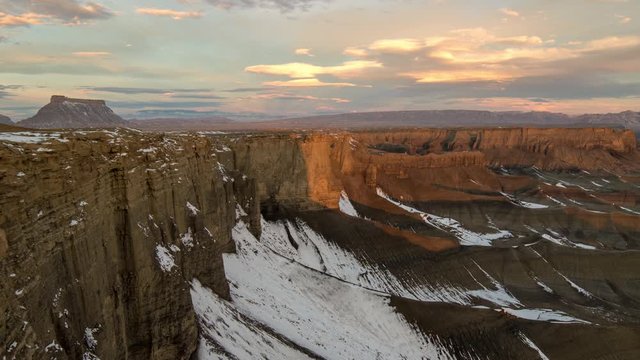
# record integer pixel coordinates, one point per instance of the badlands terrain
(423, 243)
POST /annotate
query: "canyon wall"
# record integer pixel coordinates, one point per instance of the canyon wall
(101, 232)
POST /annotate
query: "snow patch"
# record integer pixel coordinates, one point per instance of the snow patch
(346, 206)
(165, 258)
(194, 210)
(465, 236)
(187, 238)
(325, 315)
(525, 204)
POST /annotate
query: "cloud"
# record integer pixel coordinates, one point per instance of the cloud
(355, 52)
(303, 52)
(307, 83)
(164, 104)
(281, 5)
(91, 54)
(475, 54)
(245, 89)
(623, 19)
(293, 97)
(451, 76)
(510, 12)
(398, 46)
(26, 19)
(70, 12)
(174, 14)
(304, 70)
(139, 90)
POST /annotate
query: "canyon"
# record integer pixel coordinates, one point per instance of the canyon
(463, 243)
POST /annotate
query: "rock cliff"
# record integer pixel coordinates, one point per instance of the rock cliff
(102, 231)
(67, 113)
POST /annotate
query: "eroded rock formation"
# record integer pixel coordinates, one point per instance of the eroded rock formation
(67, 113)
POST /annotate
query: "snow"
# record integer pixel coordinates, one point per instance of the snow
(547, 315)
(563, 241)
(90, 339)
(74, 222)
(556, 201)
(629, 210)
(187, 238)
(89, 356)
(346, 206)
(525, 204)
(194, 210)
(223, 171)
(315, 252)
(532, 345)
(465, 236)
(42, 149)
(238, 335)
(21, 174)
(577, 287)
(331, 318)
(164, 258)
(54, 346)
(29, 137)
(240, 212)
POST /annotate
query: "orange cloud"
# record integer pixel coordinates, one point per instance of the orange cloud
(304, 70)
(452, 76)
(176, 15)
(355, 52)
(21, 20)
(91, 53)
(397, 45)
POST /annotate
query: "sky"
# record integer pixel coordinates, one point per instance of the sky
(258, 59)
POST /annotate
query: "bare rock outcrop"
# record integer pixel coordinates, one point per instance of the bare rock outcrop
(67, 113)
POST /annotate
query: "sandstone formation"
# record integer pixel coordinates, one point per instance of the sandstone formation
(103, 232)
(67, 113)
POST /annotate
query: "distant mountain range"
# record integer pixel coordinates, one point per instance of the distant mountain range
(63, 112)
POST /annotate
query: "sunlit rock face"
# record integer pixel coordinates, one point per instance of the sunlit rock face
(67, 113)
(437, 244)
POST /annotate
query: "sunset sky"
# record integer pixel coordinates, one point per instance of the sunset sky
(252, 59)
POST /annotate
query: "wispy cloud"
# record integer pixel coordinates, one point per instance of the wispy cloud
(91, 54)
(281, 5)
(303, 52)
(26, 19)
(312, 82)
(622, 19)
(174, 14)
(304, 70)
(510, 12)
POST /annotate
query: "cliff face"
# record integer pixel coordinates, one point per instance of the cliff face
(68, 113)
(101, 232)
